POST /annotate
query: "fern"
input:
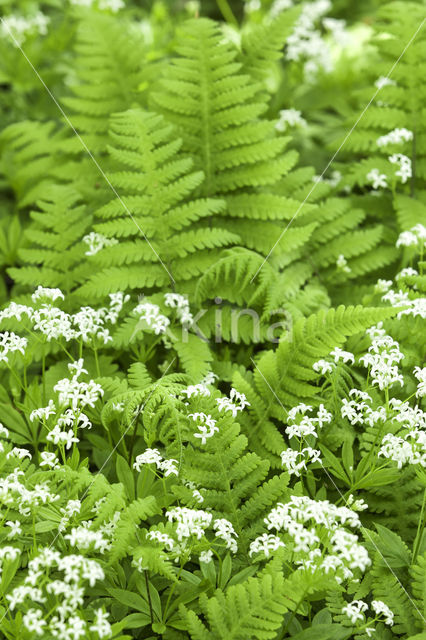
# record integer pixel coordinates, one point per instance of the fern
(235, 481)
(54, 258)
(127, 526)
(250, 610)
(285, 377)
(418, 586)
(107, 72)
(156, 231)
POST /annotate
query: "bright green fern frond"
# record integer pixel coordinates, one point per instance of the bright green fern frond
(152, 198)
(253, 609)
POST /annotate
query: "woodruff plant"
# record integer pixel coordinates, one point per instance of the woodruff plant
(212, 372)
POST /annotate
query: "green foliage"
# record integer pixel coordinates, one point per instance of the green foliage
(212, 342)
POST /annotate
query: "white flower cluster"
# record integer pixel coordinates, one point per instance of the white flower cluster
(378, 180)
(54, 323)
(410, 446)
(279, 6)
(326, 524)
(153, 456)
(194, 522)
(46, 292)
(406, 273)
(415, 237)
(395, 137)
(383, 358)
(342, 264)
(383, 81)
(10, 342)
(199, 389)
(207, 427)
(77, 394)
(300, 425)
(306, 41)
(404, 163)
(289, 459)
(345, 356)
(420, 374)
(20, 27)
(67, 620)
(96, 242)
(74, 395)
(229, 404)
(416, 306)
(291, 118)
(150, 313)
(181, 304)
(333, 180)
(323, 366)
(71, 509)
(195, 492)
(357, 410)
(26, 500)
(103, 5)
(355, 612)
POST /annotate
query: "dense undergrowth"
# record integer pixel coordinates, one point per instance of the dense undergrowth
(212, 339)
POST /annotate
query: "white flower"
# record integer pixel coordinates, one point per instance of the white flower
(15, 528)
(196, 390)
(279, 6)
(189, 522)
(111, 5)
(44, 292)
(266, 543)
(181, 304)
(149, 456)
(414, 237)
(290, 117)
(19, 27)
(49, 459)
(323, 367)
(404, 172)
(101, 626)
(342, 264)
(9, 341)
(207, 427)
(19, 453)
(153, 456)
(34, 622)
(206, 556)
(78, 394)
(227, 404)
(407, 272)
(420, 374)
(377, 179)
(339, 354)
(150, 313)
(383, 81)
(382, 609)
(382, 286)
(395, 137)
(168, 467)
(67, 438)
(77, 367)
(96, 242)
(225, 531)
(43, 412)
(354, 610)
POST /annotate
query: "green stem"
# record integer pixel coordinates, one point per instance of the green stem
(420, 528)
(226, 11)
(149, 597)
(98, 371)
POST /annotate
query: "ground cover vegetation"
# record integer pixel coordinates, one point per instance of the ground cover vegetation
(212, 310)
